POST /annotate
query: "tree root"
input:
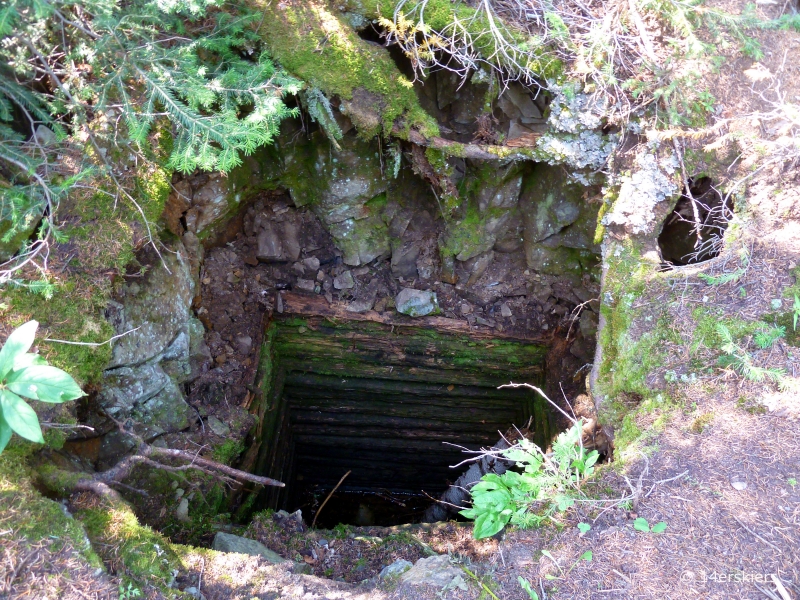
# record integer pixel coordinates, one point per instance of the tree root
(167, 459)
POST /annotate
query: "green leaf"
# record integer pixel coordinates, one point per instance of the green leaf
(587, 556)
(659, 527)
(20, 417)
(489, 523)
(19, 342)
(5, 432)
(526, 585)
(641, 524)
(26, 360)
(584, 527)
(44, 383)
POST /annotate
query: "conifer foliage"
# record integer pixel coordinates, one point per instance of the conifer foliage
(136, 65)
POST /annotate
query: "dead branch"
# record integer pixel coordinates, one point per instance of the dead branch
(336, 487)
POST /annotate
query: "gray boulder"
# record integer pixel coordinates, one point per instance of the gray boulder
(435, 571)
(395, 569)
(227, 542)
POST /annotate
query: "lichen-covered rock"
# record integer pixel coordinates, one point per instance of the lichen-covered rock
(416, 303)
(652, 182)
(436, 571)
(157, 309)
(361, 240)
(395, 569)
(342, 187)
(548, 203)
(575, 138)
(164, 349)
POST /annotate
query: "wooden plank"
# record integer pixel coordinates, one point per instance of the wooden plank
(314, 305)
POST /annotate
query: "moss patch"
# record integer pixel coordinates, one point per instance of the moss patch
(31, 517)
(99, 241)
(316, 43)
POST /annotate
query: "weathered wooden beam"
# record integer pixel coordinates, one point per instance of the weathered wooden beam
(314, 305)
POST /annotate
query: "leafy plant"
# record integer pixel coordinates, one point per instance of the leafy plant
(23, 373)
(526, 586)
(641, 524)
(796, 311)
(129, 592)
(584, 527)
(548, 483)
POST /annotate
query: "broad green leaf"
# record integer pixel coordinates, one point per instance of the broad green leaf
(18, 343)
(469, 513)
(587, 556)
(584, 527)
(26, 360)
(641, 524)
(659, 527)
(20, 417)
(488, 524)
(5, 432)
(44, 383)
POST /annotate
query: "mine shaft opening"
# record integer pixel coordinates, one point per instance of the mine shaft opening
(378, 400)
(692, 233)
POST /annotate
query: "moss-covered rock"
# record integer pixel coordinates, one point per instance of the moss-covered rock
(317, 43)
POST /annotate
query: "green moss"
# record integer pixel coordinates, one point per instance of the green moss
(465, 237)
(143, 555)
(441, 14)
(226, 452)
(318, 45)
(29, 516)
(102, 233)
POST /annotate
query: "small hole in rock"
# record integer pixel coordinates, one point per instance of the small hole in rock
(681, 242)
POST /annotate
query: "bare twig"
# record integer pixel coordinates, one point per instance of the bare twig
(336, 487)
(94, 344)
(541, 393)
(756, 535)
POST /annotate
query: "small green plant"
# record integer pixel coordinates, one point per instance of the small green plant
(796, 311)
(766, 338)
(584, 527)
(792, 481)
(722, 279)
(548, 483)
(129, 592)
(526, 585)
(23, 373)
(587, 556)
(739, 360)
(701, 423)
(641, 524)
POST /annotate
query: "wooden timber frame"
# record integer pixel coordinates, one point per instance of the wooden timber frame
(379, 393)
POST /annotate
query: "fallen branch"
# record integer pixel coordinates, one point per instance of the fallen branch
(336, 487)
(100, 483)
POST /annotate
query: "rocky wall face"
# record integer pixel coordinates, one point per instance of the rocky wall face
(510, 249)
